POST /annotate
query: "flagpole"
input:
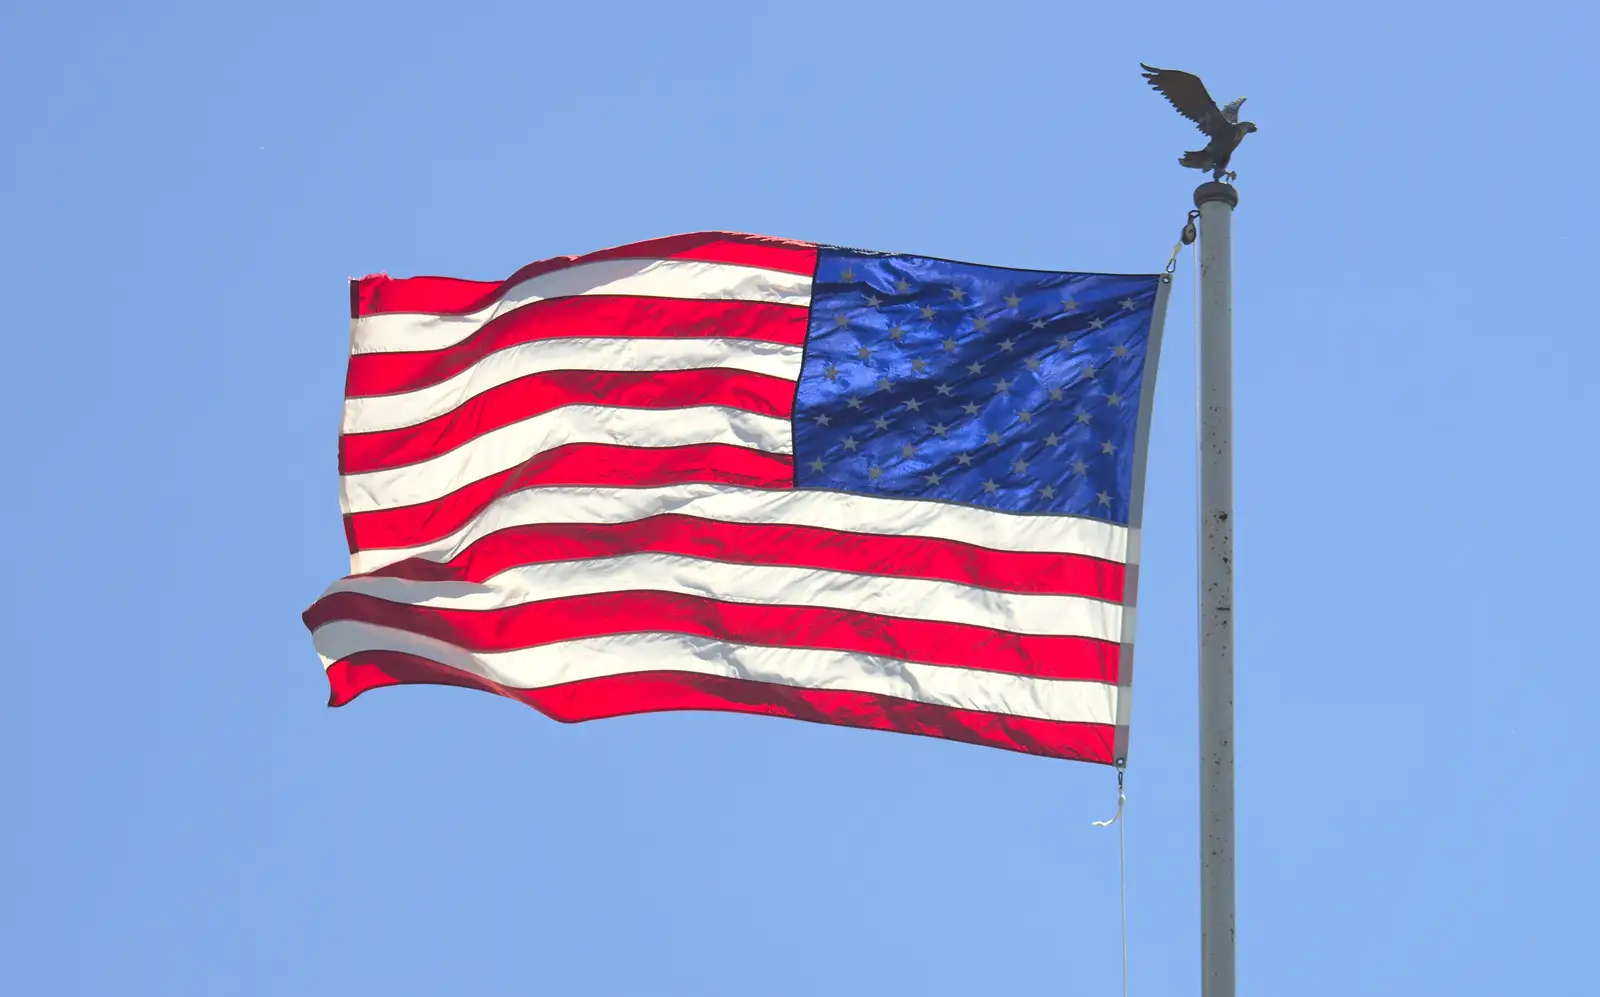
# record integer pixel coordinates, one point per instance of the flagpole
(1216, 202)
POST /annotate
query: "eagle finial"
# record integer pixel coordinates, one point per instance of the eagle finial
(1185, 92)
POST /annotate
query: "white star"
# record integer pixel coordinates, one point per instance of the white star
(1052, 440)
(965, 460)
(1025, 417)
(848, 275)
(950, 344)
(853, 402)
(1080, 467)
(850, 443)
(975, 367)
(1047, 493)
(896, 333)
(1056, 394)
(980, 323)
(913, 405)
(1097, 323)
(823, 420)
(1037, 323)
(873, 301)
(901, 287)
(1119, 350)
(832, 372)
(971, 408)
(1032, 363)
(1012, 301)
(934, 478)
(957, 293)
(939, 429)
(1008, 345)
(883, 384)
(1065, 342)
(841, 320)
(881, 422)
(865, 353)
(1114, 400)
(919, 365)
(1104, 498)
(1129, 304)
(990, 487)
(927, 311)
(874, 472)
(1083, 416)
(907, 450)
(1069, 304)
(994, 438)
(1002, 386)
(1090, 370)
(1108, 447)
(943, 389)
(1020, 466)
(816, 465)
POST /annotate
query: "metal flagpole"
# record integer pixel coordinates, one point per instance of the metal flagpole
(1216, 202)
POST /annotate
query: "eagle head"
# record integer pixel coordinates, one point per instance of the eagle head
(1246, 127)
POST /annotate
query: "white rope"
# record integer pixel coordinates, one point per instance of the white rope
(1121, 799)
(1122, 795)
(1122, 868)
(1199, 514)
(1199, 526)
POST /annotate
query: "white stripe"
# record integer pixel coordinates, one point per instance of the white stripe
(382, 412)
(510, 446)
(759, 585)
(598, 657)
(409, 332)
(733, 504)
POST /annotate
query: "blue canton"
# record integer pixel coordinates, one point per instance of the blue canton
(1006, 389)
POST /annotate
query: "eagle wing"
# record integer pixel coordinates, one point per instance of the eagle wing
(1230, 111)
(1185, 92)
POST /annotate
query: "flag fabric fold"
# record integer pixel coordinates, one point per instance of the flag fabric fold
(730, 472)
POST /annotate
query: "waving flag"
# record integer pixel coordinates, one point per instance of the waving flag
(729, 472)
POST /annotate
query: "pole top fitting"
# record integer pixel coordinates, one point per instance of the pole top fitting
(1213, 190)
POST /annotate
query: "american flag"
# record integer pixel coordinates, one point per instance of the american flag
(730, 472)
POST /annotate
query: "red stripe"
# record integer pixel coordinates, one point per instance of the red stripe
(379, 293)
(579, 464)
(958, 645)
(586, 316)
(769, 543)
(535, 394)
(649, 692)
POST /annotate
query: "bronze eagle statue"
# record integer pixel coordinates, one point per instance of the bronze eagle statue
(1185, 92)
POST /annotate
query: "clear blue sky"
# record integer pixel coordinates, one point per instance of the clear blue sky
(188, 186)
